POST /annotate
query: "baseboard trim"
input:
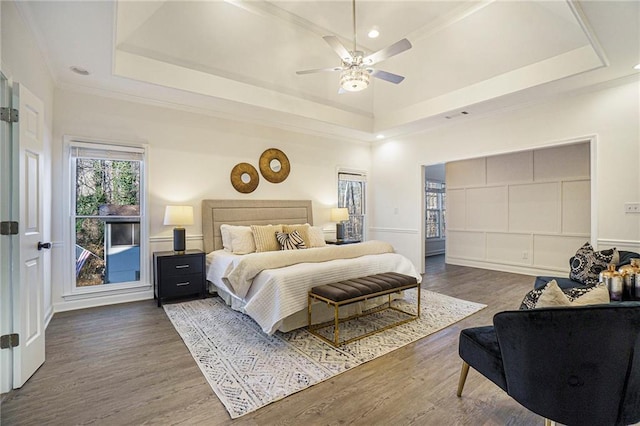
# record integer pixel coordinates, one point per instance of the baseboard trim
(514, 269)
(94, 302)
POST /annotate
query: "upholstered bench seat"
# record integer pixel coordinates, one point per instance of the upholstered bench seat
(356, 290)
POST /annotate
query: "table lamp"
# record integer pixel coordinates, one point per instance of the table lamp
(178, 216)
(339, 215)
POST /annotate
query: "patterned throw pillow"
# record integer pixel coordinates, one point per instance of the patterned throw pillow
(292, 241)
(302, 229)
(594, 294)
(587, 264)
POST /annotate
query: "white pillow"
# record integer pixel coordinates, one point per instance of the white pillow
(240, 239)
(226, 237)
(316, 237)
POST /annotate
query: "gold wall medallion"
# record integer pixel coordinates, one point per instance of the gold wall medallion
(274, 165)
(244, 178)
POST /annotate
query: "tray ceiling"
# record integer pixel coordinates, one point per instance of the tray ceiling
(241, 57)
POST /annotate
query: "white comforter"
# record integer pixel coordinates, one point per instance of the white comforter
(274, 294)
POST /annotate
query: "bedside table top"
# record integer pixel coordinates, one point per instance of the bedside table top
(173, 253)
(340, 242)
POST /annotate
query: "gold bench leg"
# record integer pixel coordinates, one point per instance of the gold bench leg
(463, 377)
(336, 327)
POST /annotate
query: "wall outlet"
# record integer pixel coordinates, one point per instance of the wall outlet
(632, 207)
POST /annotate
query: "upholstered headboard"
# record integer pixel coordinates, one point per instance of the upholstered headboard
(249, 212)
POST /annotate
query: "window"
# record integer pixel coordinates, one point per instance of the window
(107, 216)
(435, 199)
(351, 194)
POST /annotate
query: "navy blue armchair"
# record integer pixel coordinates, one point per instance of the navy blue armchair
(576, 366)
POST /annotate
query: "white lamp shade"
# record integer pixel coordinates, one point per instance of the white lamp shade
(339, 214)
(178, 215)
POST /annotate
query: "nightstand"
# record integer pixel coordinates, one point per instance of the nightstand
(341, 242)
(178, 275)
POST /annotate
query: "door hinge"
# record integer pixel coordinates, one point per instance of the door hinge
(9, 341)
(8, 228)
(9, 115)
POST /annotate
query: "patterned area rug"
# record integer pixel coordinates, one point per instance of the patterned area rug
(248, 369)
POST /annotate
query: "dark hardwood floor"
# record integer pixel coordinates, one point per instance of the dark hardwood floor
(125, 364)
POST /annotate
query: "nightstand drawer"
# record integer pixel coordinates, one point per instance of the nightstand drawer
(182, 285)
(181, 265)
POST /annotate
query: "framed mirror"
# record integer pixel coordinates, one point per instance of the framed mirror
(244, 178)
(274, 165)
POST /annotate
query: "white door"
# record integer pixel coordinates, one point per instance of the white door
(28, 285)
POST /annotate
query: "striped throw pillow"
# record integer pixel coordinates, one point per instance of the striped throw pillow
(292, 241)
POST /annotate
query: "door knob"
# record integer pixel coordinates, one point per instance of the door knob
(42, 245)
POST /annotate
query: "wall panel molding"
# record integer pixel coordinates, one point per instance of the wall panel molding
(628, 245)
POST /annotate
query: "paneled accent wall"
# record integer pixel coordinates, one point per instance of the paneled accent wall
(529, 209)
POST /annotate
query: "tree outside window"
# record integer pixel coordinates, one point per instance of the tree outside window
(107, 216)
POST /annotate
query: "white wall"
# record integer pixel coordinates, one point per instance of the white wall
(530, 209)
(609, 114)
(190, 159)
(22, 62)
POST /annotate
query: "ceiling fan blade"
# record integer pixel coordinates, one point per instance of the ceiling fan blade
(319, 70)
(387, 52)
(342, 51)
(387, 76)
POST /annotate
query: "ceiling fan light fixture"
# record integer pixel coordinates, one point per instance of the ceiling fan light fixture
(354, 79)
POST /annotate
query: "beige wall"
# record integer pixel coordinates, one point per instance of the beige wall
(609, 115)
(526, 209)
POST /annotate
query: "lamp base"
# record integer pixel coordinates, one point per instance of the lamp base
(179, 240)
(339, 231)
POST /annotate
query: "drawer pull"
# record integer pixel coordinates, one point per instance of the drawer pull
(183, 284)
(181, 266)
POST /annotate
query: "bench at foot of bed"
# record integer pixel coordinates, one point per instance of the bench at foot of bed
(356, 290)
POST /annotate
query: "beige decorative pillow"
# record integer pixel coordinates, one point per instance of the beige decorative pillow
(316, 237)
(552, 295)
(303, 230)
(265, 237)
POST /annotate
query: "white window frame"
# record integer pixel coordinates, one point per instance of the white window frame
(361, 175)
(441, 209)
(70, 290)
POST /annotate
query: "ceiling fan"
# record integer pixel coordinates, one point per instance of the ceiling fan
(356, 68)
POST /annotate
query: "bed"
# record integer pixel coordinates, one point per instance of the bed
(271, 287)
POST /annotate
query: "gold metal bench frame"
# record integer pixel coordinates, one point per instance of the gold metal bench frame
(337, 320)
